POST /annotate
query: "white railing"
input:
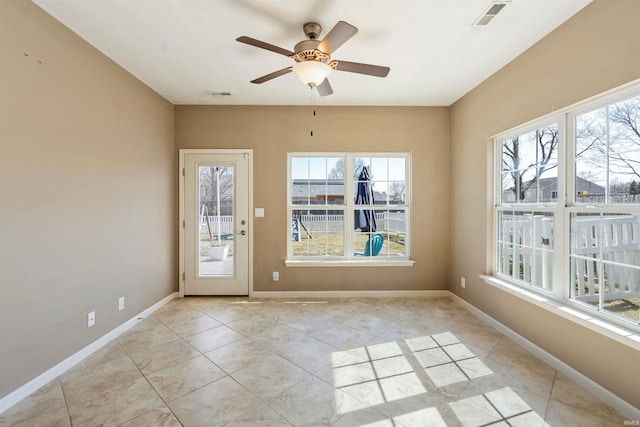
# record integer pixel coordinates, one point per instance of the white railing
(526, 244)
(605, 258)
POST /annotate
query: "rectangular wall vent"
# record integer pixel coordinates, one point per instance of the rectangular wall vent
(491, 13)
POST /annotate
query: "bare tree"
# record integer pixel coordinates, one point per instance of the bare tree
(625, 151)
(337, 172)
(396, 192)
(592, 135)
(609, 138)
(546, 142)
(208, 194)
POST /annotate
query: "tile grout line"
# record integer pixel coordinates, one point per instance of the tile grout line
(152, 387)
(64, 398)
(553, 385)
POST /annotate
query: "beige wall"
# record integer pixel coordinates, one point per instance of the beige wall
(88, 180)
(594, 51)
(274, 131)
(87, 194)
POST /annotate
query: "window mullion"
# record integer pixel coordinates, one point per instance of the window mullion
(607, 158)
(349, 203)
(560, 273)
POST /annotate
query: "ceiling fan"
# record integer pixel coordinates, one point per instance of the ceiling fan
(313, 57)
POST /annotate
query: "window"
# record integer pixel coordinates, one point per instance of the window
(348, 207)
(567, 209)
(604, 234)
(525, 209)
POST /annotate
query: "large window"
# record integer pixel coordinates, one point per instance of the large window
(348, 207)
(567, 206)
(526, 202)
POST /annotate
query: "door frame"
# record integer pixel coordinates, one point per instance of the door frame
(181, 215)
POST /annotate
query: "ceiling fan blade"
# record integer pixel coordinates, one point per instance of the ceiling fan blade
(273, 75)
(264, 45)
(355, 67)
(338, 35)
(324, 88)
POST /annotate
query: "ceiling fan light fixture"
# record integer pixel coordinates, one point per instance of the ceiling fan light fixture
(311, 73)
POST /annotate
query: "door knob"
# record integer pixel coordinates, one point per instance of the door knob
(243, 222)
(243, 232)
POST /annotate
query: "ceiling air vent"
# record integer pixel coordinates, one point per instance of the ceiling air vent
(491, 13)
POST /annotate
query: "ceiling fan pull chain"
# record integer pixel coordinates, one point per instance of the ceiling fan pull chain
(313, 103)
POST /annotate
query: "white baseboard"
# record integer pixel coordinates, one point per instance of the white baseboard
(41, 380)
(625, 408)
(348, 294)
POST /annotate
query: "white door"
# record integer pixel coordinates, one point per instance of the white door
(216, 222)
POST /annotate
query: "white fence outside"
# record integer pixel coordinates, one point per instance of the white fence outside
(394, 222)
(614, 198)
(527, 247)
(604, 258)
(226, 225)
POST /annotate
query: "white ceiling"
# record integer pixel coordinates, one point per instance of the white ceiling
(185, 49)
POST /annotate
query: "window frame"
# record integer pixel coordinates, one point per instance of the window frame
(348, 259)
(553, 207)
(566, 205)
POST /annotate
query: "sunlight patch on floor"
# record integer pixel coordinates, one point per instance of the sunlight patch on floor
(405, 374)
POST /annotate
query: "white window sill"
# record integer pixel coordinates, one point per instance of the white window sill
(349, 263)
(583, 318)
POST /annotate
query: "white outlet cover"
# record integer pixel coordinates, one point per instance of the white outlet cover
(91, 319)
(120, 303)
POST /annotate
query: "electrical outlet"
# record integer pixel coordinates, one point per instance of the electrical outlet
(120, 303)
(462, 282)
(276, 276)
(91, 319)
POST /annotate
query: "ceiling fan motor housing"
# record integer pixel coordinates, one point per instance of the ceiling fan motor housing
(312, 30)
(307, 50)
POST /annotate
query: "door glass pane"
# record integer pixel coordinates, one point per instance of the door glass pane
(216, 219)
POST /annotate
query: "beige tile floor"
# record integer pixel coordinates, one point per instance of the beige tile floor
(341, 362)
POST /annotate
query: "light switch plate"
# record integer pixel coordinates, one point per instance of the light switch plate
(259, 212)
